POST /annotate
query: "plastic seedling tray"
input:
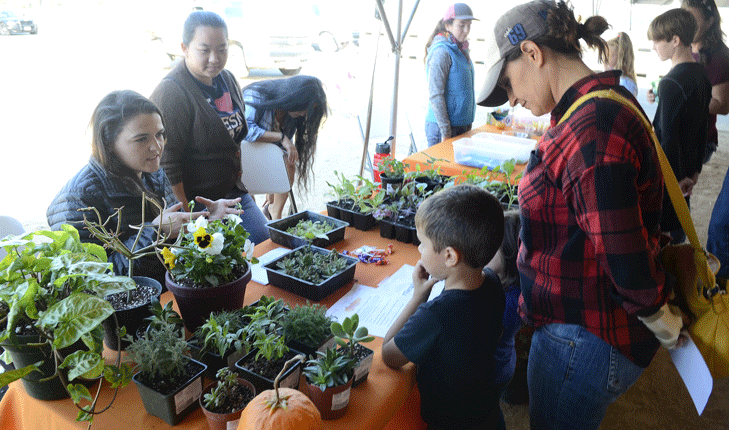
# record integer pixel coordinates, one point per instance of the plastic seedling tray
(306, 289)
(277, 230)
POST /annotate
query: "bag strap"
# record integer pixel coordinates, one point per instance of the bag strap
(674, 192)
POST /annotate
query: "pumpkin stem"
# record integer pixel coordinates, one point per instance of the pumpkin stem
(281, 402)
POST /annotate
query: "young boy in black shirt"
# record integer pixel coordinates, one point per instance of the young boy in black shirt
(682, 116)
(452, 338)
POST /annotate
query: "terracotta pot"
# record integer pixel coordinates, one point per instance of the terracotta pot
(196, 304)
(332, 402)
(224, 421)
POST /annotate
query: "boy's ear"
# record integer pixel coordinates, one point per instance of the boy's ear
(532, 51)
(675, 41)
(452, 256)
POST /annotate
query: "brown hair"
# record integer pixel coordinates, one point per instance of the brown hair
(466, 218)
(440, 27)
(713, 38)
(675, 22)
(564, 33)
(623, 47)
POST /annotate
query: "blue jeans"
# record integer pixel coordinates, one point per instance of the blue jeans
(252, 218)
(718, 240)
(573, 376)
(432, 132)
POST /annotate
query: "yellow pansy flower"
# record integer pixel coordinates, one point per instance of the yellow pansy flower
(202, 238)
(169, 258)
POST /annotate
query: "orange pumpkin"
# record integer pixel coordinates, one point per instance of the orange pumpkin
(284, 408)
(281, 408)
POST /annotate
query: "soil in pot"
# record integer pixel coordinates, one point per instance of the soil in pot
(168, 385)
(227, 415)
(262, 372)
(131, 313)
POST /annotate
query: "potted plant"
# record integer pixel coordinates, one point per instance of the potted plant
(349, 336)
(168, 379)
(53, 286)
(498, 181)
(221, 341)
(268, 356)
(329, 380)
(343, 192)
(311, 272)
(160, 315)
(392, 174)
(131, 308)
(223, 401)
(208, 268)
(430, 176)
(349, 196)
(307, 328)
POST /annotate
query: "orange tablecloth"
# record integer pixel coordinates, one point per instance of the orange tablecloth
(385, 394)
(444, 150)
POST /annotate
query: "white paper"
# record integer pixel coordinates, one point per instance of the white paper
(258, 272)
(378, 308)
(695, 374)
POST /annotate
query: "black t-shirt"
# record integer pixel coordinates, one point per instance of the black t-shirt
(218, 95)
(452, 339)
(681, 124)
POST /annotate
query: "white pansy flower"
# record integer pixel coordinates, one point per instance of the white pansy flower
(248, 249)
(235, 219)
(199, 222)
(216, 246)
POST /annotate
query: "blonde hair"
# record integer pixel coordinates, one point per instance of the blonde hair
(625, 55)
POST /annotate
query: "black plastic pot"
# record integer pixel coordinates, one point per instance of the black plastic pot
(131, 318)
(432, 183)
(403, 233)
(362, 221)
(333, 210)
(213, 360)
(310, 351)
(172, 408)
(23, 355)
(277, 230)
(290, 379)
(363, 366)
(387, 229)
(391, 185)
(306, 289)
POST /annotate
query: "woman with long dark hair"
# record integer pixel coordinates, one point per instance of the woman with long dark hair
(590, 200)
(286, 112)
(128, 140)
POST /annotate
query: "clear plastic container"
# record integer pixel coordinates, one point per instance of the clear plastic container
(526, 122)
(491, 150)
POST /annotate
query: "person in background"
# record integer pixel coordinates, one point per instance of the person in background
(621, 57)
(128, 139)
(504, 265)
(682, 115)
(202, 105)
(449, 72)
(711, 51)
(452, 338)
(289, 113)
(590, 200)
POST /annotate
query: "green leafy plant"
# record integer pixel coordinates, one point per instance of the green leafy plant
(208, 251)
(307, 324)
(497, 181)
(391, 167)
(266, 317)
(312, 266)
(163, 315)
(372, 203)
(348, 334)
(343, 190)
(310, 230)
(161, 354)
(54, 287)
(432, 171)
(271, 346)
(223, 393)
(221, 334)
(332, 368)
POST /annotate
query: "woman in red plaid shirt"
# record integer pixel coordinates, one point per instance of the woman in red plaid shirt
(591, 200)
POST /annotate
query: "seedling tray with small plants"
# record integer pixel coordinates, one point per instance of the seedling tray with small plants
(297, 229)
(300, 271)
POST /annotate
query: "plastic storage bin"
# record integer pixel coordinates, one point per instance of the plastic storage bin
(491, 150)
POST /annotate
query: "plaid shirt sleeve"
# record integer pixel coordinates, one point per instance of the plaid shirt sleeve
(591, 200)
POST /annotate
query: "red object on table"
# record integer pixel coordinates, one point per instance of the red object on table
(386, 395)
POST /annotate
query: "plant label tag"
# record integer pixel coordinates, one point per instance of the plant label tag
(363, 367)
(232, 425)
(188, 395)
(341, 400)
(291, 381)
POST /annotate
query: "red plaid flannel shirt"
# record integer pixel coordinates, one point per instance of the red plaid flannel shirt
(591, 200)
